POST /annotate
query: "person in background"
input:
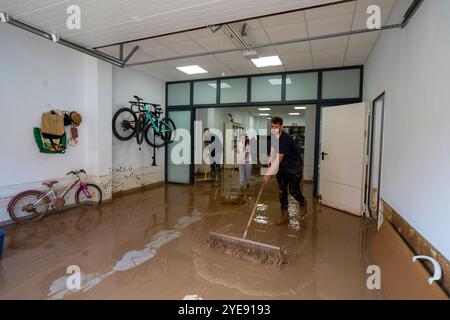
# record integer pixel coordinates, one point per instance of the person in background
(285, 159)
(214, 153)
(245, 162)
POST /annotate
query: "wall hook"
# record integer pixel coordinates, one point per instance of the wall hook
(437, 268)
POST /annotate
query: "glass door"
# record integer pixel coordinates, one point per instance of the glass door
(179, 168)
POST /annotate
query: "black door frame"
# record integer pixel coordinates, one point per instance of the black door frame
(319, 102)
(381, 97)
(192, 165)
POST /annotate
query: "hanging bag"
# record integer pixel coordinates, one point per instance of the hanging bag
(52, 124)
(50, 146)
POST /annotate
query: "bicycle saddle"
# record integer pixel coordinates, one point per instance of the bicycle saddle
(138, 99)
(49, 183)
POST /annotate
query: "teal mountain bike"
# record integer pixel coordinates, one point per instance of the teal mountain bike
(143, 120)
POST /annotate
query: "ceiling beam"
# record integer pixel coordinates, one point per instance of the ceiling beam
(271, 44)
(52, 37)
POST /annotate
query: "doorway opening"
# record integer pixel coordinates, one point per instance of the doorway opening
(299, 122)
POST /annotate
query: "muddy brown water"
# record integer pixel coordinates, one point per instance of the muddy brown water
(152, 245)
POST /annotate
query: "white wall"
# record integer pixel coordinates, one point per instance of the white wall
(412, 66)
(132, 167)
(35, 73)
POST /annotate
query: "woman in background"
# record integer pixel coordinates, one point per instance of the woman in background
(244, 160)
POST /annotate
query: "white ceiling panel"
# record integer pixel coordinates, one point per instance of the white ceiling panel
(216, 43)
(256, 37)
(332, 11)
(321, 64)
(160, 52)
(332, 43)
(287, 32)
(229, 57)
(363, 39)
(293, 48)
(354, 61)
(337, 54)
(330, 25)
(174, 38)
(297, 58)
(359, 51)
(186, 47)
(283, 19)
(111, 21)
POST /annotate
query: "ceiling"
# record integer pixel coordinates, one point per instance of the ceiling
(333, 52)
(108, 21)
(111, 21)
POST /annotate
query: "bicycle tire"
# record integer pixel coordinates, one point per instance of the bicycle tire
(170, 137)
(89, 185)
(32, 218)
(132, 130)
(152, 142)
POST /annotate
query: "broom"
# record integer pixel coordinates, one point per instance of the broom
(247, 249)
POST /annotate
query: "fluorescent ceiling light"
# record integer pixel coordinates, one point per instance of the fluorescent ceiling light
(294, 114)
(192, 69)
(277, 82)
(264, 114)
(300, 108)
(223, 85)
(267, 61)
(264, 109)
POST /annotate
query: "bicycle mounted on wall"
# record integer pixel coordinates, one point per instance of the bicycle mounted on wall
(141, 122)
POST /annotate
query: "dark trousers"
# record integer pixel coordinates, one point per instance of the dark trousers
(215, 169)
(289, 183)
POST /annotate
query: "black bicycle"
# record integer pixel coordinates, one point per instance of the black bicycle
(143, 123)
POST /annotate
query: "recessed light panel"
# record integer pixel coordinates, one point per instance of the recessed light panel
(192, 70)
(267, 61)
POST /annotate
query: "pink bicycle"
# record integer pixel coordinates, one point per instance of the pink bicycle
(33, 205)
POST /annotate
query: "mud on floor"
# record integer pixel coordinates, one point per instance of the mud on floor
(152, 245)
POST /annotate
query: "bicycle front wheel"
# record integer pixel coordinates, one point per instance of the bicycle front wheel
(89, 197)
(153, 138)
(168, 130)
(28, 207)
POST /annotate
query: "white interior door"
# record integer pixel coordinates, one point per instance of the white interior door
(342, 167)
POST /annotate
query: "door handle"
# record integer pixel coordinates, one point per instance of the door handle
(437, 268)
(324, 154)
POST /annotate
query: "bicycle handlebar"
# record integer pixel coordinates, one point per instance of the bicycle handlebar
(141, 103)
(75, 173)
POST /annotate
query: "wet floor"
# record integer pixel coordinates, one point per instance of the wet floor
(153, 245)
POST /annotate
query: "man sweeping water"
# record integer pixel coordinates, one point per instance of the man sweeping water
(285, 162)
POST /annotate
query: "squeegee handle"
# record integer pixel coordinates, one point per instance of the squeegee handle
(254, 211)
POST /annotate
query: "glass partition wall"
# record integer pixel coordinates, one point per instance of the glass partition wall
(313, 87)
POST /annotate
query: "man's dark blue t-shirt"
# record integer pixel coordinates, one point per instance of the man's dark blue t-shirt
(291, 161)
